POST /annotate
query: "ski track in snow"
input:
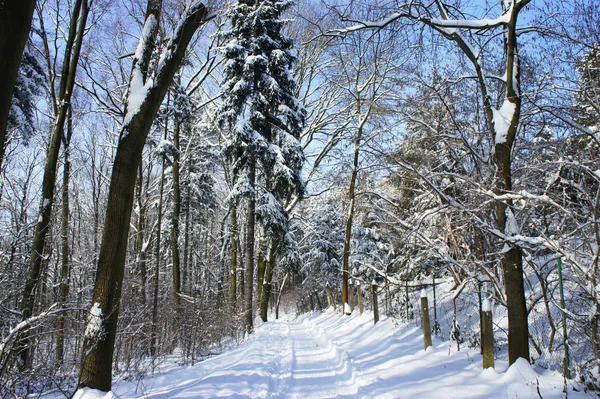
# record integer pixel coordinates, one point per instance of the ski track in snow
(325, 355)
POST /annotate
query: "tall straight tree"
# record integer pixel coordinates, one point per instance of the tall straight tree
(263, 119)
(15, 23)
(60, 107)
(148, 85)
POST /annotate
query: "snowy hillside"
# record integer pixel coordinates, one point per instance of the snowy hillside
(325, 355)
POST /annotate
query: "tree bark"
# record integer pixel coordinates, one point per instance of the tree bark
(97, 357)
(15, 24)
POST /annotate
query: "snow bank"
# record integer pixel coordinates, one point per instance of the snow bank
(327, 355)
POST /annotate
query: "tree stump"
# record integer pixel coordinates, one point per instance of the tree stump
(425, 320)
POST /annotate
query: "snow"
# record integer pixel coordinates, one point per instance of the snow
(94, 326)
(423, 294)
(501, 118)
(486, 306)
(88, 393)
(347, 309)
(138, 89)
(327, 355)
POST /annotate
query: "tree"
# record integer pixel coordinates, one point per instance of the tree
(263, 120)
(147, 88)
(61, 105)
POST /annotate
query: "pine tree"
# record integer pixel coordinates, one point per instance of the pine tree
(15, 23)
(27, 89)
(263, 119)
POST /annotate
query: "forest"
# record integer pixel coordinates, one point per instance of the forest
(174, 173)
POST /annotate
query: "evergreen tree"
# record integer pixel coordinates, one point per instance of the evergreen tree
(263, 119)
(27, 88)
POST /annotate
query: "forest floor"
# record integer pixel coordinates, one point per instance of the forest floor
(325, 355)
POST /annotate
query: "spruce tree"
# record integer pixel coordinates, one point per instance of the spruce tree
(263, 119)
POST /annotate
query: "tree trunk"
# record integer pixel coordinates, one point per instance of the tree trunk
(71, 58)
(186, 244)
(250, 222)
(154, 333)
(63, 290)
(15, 23)
(233, 266)
(512, 265)
(96, 368)
(175, 225)
(266, 283)
(260, 271)
(512, 262)
(349, 219)
(375, 303)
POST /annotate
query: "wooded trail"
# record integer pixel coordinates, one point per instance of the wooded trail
(325, 355)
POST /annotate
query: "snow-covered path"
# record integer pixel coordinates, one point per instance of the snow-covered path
(325, 355)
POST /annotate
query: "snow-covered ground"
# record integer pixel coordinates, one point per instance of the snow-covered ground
(326, 355)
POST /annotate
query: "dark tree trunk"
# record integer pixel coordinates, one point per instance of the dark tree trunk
(97, 357)
(15, 24)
